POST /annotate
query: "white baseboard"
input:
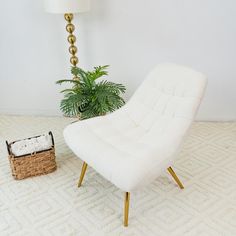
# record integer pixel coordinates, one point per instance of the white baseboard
(31, 112)
(54, 112)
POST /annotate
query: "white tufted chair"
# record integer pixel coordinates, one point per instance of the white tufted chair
(132, 146)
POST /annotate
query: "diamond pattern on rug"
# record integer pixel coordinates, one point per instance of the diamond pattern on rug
(53, 205)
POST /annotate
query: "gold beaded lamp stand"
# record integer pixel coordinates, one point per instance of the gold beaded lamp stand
(68, 8)
(70, 28)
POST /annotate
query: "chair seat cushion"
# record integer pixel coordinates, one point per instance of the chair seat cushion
(124, 157)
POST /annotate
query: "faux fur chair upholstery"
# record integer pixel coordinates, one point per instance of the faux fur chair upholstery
(132, 146)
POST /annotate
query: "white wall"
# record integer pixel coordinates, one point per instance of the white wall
(130, 35)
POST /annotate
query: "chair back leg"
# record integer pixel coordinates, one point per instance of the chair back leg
(126, 209)
(171, 171)
(84, 168)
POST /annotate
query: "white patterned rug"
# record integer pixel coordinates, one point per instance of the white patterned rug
(53, 205)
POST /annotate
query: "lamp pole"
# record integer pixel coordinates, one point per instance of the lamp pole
(68, 8)
(71, 38)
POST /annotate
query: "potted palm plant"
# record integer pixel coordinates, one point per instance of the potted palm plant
(88, 97)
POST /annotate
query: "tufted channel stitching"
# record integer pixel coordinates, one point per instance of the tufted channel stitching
(132, 146)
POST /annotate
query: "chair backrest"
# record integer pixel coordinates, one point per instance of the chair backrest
(169, 93)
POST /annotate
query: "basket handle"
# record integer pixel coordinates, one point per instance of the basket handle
(8, 148)
(50, 133)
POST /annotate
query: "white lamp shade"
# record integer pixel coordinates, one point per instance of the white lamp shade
(66, 6)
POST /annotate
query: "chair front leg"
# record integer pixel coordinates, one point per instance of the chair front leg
(126, 209)
(84, 168)
(171, 171)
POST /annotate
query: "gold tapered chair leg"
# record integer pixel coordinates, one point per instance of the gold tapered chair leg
(126, 210)
(171, 171)
(84, 167)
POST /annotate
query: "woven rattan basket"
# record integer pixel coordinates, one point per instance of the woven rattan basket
(38, 163)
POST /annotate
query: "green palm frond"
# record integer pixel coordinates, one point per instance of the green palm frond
(68, 90)
(112, 87)
(98, 72)
(70, 105)
(88, 98)
(78, 72)
(75, 82)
